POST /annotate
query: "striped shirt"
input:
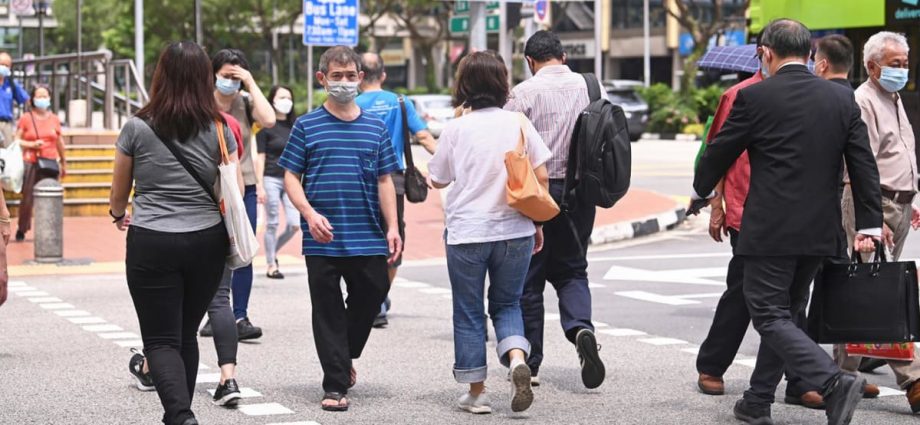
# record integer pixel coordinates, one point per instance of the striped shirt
(553, 99)
(340, 162)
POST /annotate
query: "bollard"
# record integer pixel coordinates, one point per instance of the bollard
(49, 221)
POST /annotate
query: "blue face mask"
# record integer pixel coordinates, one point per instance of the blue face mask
(43, 103)
(893, 79)
(226, 86)
(4, 71)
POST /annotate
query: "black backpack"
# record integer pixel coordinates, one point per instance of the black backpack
(600, 155)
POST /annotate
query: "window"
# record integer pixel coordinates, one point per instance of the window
(629, 14)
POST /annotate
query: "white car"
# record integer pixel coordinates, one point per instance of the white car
(435, 109)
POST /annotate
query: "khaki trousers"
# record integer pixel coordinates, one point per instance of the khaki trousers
(897, 217)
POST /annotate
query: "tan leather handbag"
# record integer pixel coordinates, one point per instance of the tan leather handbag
(524, 192)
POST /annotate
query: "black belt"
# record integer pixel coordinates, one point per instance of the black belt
(898, 197)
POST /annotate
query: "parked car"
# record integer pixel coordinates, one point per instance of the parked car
(435, 109)
(623, 93)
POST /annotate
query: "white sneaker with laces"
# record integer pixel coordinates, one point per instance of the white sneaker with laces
(475, 404)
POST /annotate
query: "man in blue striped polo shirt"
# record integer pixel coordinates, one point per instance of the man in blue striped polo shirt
(338, 161)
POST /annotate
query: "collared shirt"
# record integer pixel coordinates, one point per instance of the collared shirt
(890, 135)
(552, 100)
(9, 92)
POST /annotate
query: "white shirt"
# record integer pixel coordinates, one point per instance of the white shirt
(471, 155)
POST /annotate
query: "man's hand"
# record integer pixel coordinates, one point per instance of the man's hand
(124, 223)
(915, 218)
(887, 236)
(717, 224)
(320, 228)
(865, 243)
(538, 240)
(394, 244)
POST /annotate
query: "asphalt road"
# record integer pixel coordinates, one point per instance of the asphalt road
(64, 345)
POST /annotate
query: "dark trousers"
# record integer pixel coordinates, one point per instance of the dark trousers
(31, 175)
(562, 262)
(776, 289)
(172, 278)
(242, 277)
(223, 324)
(729, 323)
(341, 328)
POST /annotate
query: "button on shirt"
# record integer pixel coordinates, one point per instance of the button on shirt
(9, 92)
(890, 135)
(341, 162)
(552, 99)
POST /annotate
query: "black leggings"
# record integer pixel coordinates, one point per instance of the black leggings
(172, 278)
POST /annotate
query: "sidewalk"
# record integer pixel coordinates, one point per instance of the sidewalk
(93, 245)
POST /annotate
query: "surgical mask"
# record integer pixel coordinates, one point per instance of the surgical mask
(764, 71)
(893, 79)
(42, 103)
(4, 71)
(227, 86)
(342, 91)
(284, 106)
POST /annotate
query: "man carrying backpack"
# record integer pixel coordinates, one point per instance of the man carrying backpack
(553, 100)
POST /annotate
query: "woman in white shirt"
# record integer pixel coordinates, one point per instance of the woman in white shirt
(484, 234)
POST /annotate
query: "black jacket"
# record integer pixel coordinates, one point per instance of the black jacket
(795, 127)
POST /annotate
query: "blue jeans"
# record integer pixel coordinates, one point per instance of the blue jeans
(275, 200)
(467, 264)
(242, 277)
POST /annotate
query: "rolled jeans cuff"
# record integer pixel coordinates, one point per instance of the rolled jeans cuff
(471, 376)
(511, 343)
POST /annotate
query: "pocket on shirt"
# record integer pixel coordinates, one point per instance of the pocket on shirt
(368, 164)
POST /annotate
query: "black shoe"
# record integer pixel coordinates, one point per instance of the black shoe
(381, 322)
(752, 414)
(190, 421)
(842, 398)
(206, 329)
(20, 236)
(227, 394)
(136, 366)
(245, 330)
(592, 368)
(868, 364)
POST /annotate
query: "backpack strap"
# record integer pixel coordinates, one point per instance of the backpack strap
(407, 146)
(594, 89)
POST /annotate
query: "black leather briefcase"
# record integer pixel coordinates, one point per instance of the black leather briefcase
(860, 302)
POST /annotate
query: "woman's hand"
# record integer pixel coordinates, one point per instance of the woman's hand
(260, 194)
(124, 222)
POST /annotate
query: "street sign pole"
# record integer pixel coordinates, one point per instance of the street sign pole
(478, 40)
(139, 37)
(504, 42)
(598, 33)
(647, 53)
(309, 77)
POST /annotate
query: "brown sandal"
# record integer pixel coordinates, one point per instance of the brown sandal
(337, 397)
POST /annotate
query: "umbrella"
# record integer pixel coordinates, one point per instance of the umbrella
(741, 58)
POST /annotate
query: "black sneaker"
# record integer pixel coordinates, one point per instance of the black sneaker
(752, 414)
(592, 368)
(381, 322)
(227, 394)
(869, 364)
(206, 329)
(136, 366)
(245, 330)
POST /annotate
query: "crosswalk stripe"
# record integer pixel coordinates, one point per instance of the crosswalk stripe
(44, 299)
(119, 335)
(103, 328)
(130, 343)
(264, 409)
(622, 332)
(17, 289)
(86, 320)
(208, 378)
(746, 362)
(244, 392)
(887, 392)
(57, 306)
(295, 423)
(655, 298)
(72, 313)
(410, 284)
(662, 341)
(15, 284)
(23, 293)
(435, 291)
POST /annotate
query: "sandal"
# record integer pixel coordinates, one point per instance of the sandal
(337, 397)
(274, 274)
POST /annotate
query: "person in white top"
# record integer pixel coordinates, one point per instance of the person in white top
(484, 234)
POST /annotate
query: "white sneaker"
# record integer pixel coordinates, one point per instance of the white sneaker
(479, 404)
(521, 391)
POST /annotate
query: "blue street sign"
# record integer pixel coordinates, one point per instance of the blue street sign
(541, 9)
(330, 22)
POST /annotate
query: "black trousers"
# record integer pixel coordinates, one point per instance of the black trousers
(562, 262)
(776, 289)
(172, 278)
(729, 323)
(341, 332)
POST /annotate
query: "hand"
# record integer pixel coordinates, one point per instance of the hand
(244, 76)
(915, 218)
(538, 240)
(260, 194)
(38, 144)
(63, 169)
(865, 243)
(887, 236)
(5, 232)
(394, 244)
(124, 223)
(717, 224)
(319, 227)
(4, 280)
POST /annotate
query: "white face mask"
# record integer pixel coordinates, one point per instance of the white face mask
(284, 106)
(342, 91)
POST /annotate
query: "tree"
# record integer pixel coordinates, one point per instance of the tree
(260, 17)
(693, 17)
(427, 22)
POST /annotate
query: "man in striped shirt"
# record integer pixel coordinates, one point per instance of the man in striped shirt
(338, 161)
(552, 100)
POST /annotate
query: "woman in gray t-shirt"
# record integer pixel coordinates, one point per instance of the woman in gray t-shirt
(177, 243)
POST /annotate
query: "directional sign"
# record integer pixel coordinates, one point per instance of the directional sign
(21, 7)
(463, 6)
(461, 24)
(541, 10)
(330, 22)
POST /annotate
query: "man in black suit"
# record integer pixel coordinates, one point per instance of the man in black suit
(795, 128)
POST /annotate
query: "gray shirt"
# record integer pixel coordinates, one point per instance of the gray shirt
(238, 110)
(166, 197)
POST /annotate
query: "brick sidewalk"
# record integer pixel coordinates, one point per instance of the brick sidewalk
(95, 241)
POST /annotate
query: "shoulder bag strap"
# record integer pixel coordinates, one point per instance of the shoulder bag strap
(522, 140)
(407, 147)
(185, 164)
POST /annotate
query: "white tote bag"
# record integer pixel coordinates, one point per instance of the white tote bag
(243, 243)
(11, 167)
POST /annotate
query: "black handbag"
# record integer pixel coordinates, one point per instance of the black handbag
(47, 167)
(860, 302)
(416, 184)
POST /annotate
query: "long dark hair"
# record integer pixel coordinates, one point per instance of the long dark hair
(181, 93)
(291, 116)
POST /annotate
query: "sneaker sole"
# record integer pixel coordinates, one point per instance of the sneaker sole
(521, 392)
(256, 335)
(852, 398)
(480, 410)
(140, 385)
(592, 372)
(229, 400)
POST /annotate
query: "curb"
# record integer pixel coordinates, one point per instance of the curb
(642, 227)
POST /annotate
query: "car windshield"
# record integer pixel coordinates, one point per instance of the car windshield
(436, 103)
(624, 97)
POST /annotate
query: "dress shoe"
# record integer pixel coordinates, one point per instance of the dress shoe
(913, 397)
(752, 414)
(711, 385)
(871, 391)
(811, 400)
(869, 364)
(843, 397)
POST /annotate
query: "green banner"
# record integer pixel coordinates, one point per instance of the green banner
(819, 14)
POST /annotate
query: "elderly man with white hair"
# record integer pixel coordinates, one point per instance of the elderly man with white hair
(885, 57)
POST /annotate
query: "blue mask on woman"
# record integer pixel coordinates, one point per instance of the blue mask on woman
(893, 79)
(226, 86)
(43, 103)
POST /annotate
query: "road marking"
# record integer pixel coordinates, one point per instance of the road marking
(411, 285)
(887, 392)
(622, 332)
(57, 306)
(264, 409)
(130, 343)
(709, 295)
(551, 316)
(103, 328)
(662, 257)
(244, 392)
(119, 335)
(655, 298)
(596, 285)
(15, 284)
(746, 362)
(689, 276)
(295, 423)
(601, 325)
(447, 297)
(32, 293)
(691, 350)
(44, 299)
(72, 313)
(662, 341)
(86, 320)
(208, 378)
(202, 366)
(435, 291)
(17, 289)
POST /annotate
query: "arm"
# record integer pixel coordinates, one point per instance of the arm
(320, 229)
(122, 178)
(259, 162)
(731, 141)
(61, 154)
(262, 110)
(427, 141)
(864, 181)
(387, 194)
